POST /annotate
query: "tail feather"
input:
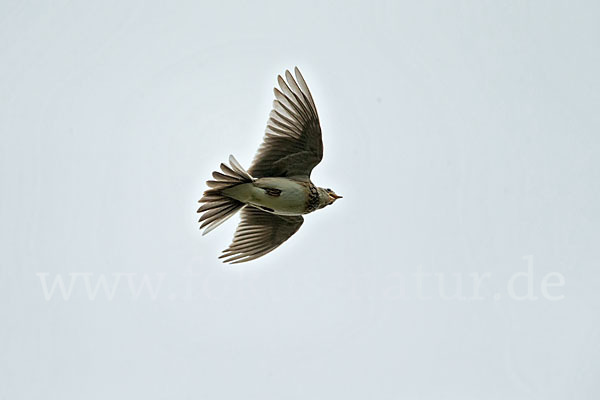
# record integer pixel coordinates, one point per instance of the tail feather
(217, 207)
(239, 169)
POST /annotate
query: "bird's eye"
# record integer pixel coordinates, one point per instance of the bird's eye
(329, 190)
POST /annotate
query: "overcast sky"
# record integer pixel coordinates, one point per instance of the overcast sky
(462, 262)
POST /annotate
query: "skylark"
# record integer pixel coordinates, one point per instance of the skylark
(276, 190)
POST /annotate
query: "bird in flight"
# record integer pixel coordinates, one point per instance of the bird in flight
(276, 190)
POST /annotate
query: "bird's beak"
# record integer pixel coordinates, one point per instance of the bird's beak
(335, 196)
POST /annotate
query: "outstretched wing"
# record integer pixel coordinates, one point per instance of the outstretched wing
(292, 145)
(258, 233)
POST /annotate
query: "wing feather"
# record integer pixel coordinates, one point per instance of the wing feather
(259, 233)
(292, 145)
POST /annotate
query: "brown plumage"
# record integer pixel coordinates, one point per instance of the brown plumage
(276, 191)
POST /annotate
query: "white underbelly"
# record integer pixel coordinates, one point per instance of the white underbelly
(291, 200)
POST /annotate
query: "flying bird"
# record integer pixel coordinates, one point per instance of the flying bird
(276, 191)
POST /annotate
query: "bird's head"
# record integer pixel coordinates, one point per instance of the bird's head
(327, 197)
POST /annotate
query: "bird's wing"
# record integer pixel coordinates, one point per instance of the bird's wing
(292, 145)
(258, 233)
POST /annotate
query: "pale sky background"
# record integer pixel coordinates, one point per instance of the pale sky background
(463, 136)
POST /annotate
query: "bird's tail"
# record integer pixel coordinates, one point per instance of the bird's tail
(217, 207)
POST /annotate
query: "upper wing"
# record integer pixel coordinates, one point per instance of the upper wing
(258, 233)
(292, 145)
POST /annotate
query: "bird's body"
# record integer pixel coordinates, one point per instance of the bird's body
(276, 191)
(281, 196)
